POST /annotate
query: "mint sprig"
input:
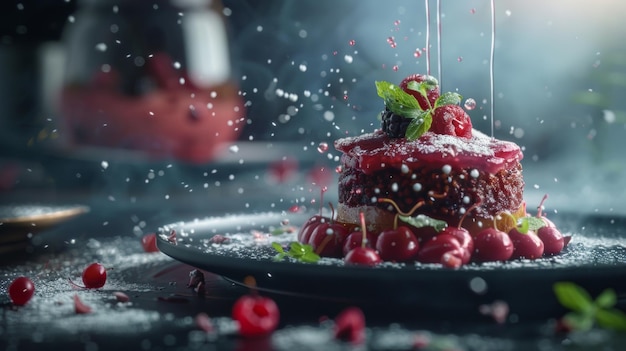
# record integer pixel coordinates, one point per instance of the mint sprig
(298, 251)
(525, 224)
(586, 311)
(448, 98)
(406, 105)
(398, 101)
(422, 220)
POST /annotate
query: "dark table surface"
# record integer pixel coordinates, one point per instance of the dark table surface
(162, 309)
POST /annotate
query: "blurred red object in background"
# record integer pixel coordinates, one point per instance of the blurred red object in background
(156, 82)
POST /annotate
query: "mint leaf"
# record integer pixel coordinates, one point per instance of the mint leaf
(448, 98)
(606, 299)
(278, 247)
(587, 312)
(419, 126)
(397, 100)
(522, 225)
(421, 220)
(310, 257)
(535, 223)
(573, 297)
(611, 319)
(383, 89)
(297, 251)
(415, 86)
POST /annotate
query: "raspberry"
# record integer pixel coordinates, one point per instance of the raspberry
(432, 94)
(394, 125)
(451, 120)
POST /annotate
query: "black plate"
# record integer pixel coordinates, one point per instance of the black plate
(594, 259)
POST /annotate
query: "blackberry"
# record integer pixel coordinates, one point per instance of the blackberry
(394, 125)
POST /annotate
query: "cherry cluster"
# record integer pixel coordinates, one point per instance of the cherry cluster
(452, 246)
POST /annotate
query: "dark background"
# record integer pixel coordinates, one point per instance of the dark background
(559, 75)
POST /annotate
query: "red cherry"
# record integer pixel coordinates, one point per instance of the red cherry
(21, 291)
(451, 120)
(443, 248)
(526, 245)
(432, 94)
(94, 276)
(465, 240)
(398, 245)
(452, 259)
(355, 239)
(492, 245)
(148, 242)
(364, 256)
(327, 239)
(552, 239)
(307, 228)
(256, 315)
(424, 234)
(350, 325)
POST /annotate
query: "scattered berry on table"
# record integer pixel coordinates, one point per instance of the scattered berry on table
(94, 276)
(21, 291)
(256, 315)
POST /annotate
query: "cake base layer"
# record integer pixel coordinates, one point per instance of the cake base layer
(445, 192)
(378, 219)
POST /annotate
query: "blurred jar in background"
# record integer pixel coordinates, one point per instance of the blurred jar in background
(150, 76)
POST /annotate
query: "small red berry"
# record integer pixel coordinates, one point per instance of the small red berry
(307, 228)
(526, 245)
(552, 239)
(444, 249)
(465, 240)
(327, 239)
(257, 315)
(350, 325)
(451, 120)
(399, 245)
(355, 239)
(492, 245)
(21, 291)
(148, 242)
(364, 256)
(94, 276)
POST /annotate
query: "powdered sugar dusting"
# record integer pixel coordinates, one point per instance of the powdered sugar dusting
(52, 306)
(393, 337)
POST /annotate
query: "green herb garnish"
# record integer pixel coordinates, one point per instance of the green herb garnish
(587, 312)
(525, 224)
(421, 220)
(298, 251)
(406, 105)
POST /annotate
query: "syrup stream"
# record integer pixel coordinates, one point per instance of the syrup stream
(439, 66)
(491, 59)
(427, 37)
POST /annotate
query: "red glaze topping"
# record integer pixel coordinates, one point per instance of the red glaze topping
(375, 151)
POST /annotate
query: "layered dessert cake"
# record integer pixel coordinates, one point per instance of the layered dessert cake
(428, 166)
